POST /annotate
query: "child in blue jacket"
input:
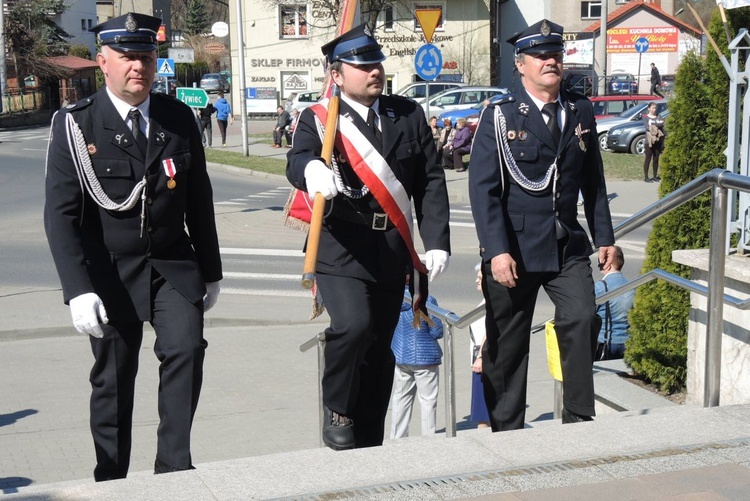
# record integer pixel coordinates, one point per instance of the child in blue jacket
(418, 357)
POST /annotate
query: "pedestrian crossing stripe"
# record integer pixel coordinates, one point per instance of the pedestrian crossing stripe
(165, 67)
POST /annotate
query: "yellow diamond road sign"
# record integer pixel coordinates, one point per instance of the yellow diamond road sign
(428, 20)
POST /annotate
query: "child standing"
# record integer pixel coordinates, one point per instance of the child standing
(418, 357)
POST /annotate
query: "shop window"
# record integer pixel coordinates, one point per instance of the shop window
(435, 5)
(591, 10)
(293, 21)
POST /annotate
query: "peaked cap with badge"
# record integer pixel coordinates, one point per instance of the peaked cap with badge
(541, 37)
(356, 46)
(129, 33)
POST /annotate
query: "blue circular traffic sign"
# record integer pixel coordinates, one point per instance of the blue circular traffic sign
(428, 61)
(641, 45)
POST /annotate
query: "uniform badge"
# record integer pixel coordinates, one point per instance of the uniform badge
(160, 137)
(545, 29)
(92, 149)
(131, 24)
(523, 135)
(119, 138)
(579, 133)
(523, 109)
(171, 171)
(511, 135)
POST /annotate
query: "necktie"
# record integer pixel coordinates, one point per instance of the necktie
(550, 109)
(372, 122)
(135, 117)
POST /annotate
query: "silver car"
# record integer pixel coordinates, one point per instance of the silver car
(214, 82)
(460, 99)
(634, 114)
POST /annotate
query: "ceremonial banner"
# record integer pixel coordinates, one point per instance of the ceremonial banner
(733, 4)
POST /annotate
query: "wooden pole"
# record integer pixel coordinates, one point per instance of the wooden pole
(348, 13)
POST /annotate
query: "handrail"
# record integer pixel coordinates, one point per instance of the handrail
(720, 180)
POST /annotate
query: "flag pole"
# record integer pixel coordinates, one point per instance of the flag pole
(348, 12)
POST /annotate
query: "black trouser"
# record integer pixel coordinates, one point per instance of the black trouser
(652, 152)
(454, 158)
(207, 132)
(279, 133)
(359, 362)
(222, 130)
(505, 356)
(655, 90)
(180, 348)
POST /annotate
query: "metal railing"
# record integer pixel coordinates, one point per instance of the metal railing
(720, 180)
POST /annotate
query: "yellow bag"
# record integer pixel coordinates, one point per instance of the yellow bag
(553, 351)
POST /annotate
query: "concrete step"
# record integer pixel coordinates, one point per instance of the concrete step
(476, 462)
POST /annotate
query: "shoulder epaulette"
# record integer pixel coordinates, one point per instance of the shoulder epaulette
(508, 98)
(79, 105)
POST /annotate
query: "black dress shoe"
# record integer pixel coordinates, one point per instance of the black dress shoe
(162, 467)
(571, 417)
(338, 431)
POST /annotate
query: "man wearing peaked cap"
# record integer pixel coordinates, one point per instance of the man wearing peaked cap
(525, 211)
(363, 259)
(130, 222)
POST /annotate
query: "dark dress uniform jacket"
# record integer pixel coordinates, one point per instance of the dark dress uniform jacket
(96, 250)
(409, 150)
(522, 223)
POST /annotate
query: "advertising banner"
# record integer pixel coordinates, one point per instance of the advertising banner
(660, 39)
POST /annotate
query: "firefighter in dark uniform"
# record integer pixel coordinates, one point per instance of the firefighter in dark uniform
(363, 261)
(130, 222)
(532, 153)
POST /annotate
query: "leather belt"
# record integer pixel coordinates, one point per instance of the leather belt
(373, 220)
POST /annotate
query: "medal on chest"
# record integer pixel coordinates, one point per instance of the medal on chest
(170, 170)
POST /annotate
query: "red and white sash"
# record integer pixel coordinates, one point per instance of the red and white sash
(374, 171)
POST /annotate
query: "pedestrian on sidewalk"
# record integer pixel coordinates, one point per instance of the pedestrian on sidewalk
(418, 357)
(655, 81)
(134, 241)
(366, 250)
(460, 145)
(283, 121)
(206, 127)
(654, 146)
(525, 213)
(223, 115)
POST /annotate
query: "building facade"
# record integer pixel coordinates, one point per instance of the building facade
(283, 39)
(282, 45)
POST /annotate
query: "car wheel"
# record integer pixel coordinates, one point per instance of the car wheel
(638, 146)
(603, 142)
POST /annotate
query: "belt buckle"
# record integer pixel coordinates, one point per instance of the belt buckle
(379, 222)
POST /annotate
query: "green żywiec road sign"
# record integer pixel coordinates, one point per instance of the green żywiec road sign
(193, 97)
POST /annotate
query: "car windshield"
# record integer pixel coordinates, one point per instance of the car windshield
(632, 111)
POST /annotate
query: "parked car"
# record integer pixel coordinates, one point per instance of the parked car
(630, 137)
(475, 110)
(460, 99)
(634, 114)
(610, 106)
(214, 82)
(578, 81)
(168, 87)
(301, 100)
(667, 84)
(417, 90)
(622, 83)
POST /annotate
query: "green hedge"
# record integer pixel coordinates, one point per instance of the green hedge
(696, 139)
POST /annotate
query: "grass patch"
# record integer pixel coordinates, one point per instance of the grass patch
(261, 164)
(622, 166)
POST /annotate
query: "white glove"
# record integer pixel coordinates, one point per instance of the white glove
(320, 179)
(212, 295)
(88, 312)
(436, 261)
